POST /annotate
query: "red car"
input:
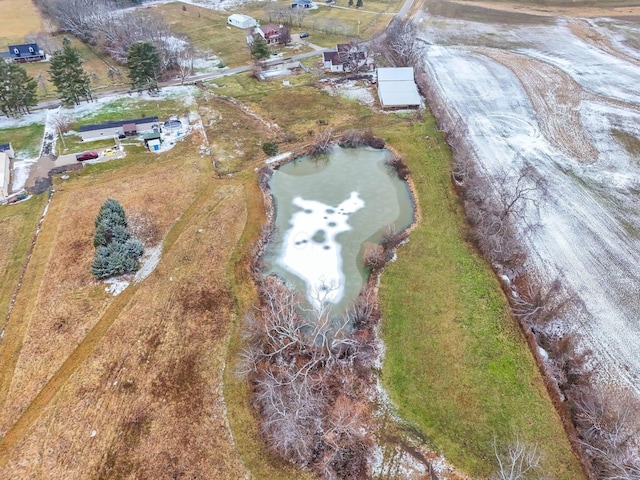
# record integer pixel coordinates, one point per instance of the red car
(87, 156)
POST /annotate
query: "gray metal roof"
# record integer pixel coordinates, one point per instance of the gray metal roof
(116, 124)
(396, 87)
(395, 74)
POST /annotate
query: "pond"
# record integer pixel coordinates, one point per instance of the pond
(327, 209)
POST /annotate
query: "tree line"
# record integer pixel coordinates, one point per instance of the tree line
(72, 83)
(142, 42)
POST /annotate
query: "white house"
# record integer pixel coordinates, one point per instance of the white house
(397, 88)
(5, 174)
(241, 21)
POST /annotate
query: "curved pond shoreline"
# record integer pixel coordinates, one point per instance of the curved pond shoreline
(327, 213)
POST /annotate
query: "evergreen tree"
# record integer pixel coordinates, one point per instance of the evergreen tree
(116, 251)
(259, 48)
(68, 76)
(359, 4)
(17, 89)
(143, 61)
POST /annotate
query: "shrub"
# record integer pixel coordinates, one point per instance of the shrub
(270, 148)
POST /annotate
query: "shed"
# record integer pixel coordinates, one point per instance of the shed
(5, 174)
(241, 21)
(152, 140)
(153, 145)
(129, 129)
(397, 88)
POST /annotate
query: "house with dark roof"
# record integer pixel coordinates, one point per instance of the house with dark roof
(6, 147)
(302, 4)
(347, 57)
(28, 52)
(119, 128)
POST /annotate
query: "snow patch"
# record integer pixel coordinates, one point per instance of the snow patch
(149, 265)
(115, 286)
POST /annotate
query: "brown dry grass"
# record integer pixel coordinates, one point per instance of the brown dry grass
(17, 19)
(173, 333)
(151, 390)
(144, 369)
(69, 301)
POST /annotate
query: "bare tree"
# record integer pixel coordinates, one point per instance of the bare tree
(401, 45)
(45, 41)
(185, 59)
(322, 142)
(309, 370)
(518, 461)
(298, 15)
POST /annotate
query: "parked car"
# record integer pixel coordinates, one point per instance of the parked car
(304, 35)
(86, 156)
(109, 151)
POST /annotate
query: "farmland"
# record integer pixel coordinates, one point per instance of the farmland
(145, 384)
(559, 98)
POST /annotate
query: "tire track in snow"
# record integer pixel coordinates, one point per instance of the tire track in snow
(556, 99)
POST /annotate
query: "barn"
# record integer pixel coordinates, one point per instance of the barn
(241, 21)
(397, 89)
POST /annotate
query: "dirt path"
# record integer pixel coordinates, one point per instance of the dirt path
(88, 344)
(587, 33)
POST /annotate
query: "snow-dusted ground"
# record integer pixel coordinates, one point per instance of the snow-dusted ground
(543, 96)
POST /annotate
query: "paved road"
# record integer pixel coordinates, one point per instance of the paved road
(189, 80)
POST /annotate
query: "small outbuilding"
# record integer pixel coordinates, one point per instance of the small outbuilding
(241, 21)
(152, 140)
(397, 88)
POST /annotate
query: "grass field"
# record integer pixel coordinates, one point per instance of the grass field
(17, 227)
(140, 376)
(204, 27)
(26, 141)
(456, 365)
(17, 19)
(329, 26)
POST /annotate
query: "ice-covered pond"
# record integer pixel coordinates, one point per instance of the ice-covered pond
(326, 210)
